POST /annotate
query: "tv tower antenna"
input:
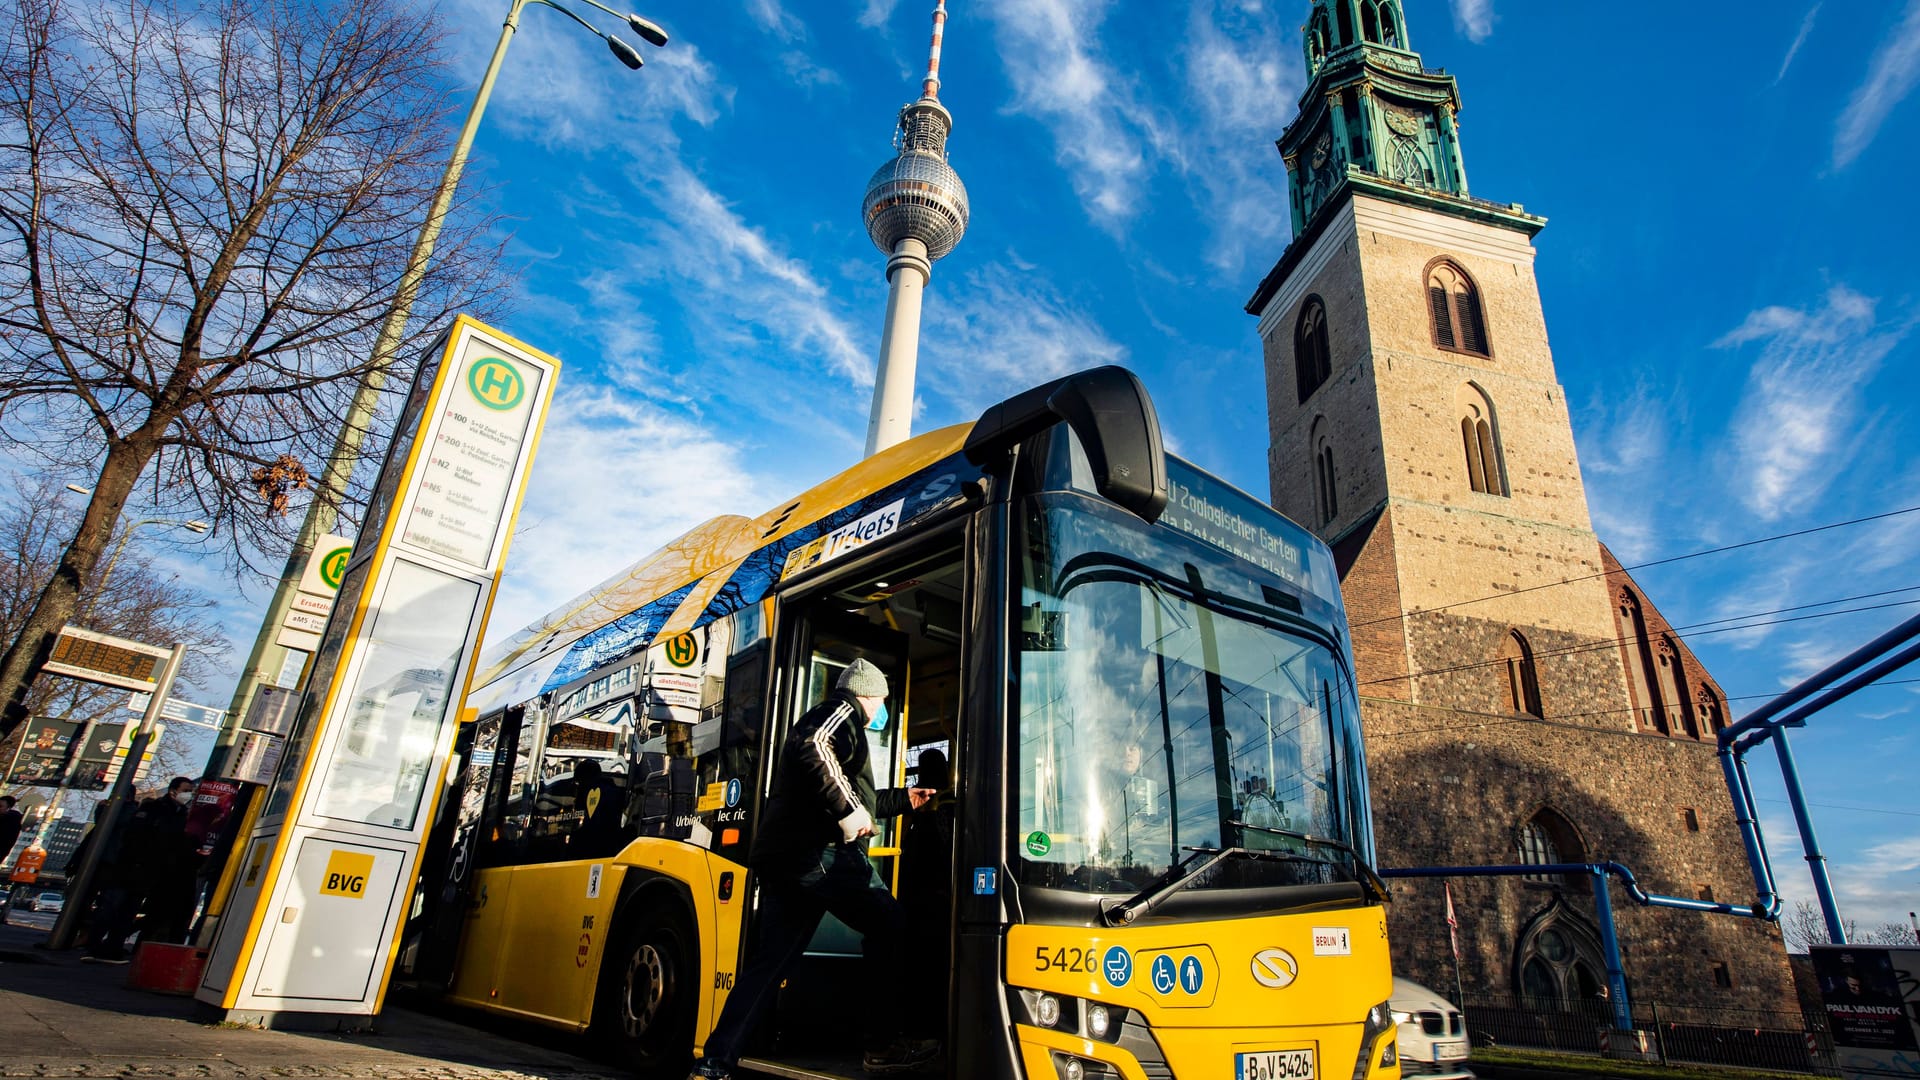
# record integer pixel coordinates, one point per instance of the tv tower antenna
(916, 211)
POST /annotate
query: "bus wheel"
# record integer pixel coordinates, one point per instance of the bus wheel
(647, 987)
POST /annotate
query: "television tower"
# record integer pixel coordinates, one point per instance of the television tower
(916, 211)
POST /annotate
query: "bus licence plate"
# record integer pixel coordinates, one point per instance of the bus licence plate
(1273, 1065)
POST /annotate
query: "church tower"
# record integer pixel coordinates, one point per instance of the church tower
(1524, 702)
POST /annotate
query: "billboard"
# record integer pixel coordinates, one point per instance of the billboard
(1871, 994)
(43, 753)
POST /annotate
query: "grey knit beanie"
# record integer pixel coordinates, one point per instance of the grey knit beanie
(863, 680)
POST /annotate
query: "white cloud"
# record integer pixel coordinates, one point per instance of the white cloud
(1474, 18)
(1060, 80)
(876, 13)
(1891, 76)
(1799, 39)
(998, 331)
(1794, 427)
(775, 20)
(615, 478)
(1239, 75)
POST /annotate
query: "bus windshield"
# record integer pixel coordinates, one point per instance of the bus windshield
(1174, 700)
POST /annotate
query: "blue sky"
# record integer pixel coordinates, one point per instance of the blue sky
(1727, 273)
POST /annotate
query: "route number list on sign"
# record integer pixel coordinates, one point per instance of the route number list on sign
(468, 473)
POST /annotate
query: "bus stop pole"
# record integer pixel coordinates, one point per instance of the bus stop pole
(80, 895)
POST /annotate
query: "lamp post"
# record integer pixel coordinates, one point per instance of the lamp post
(321, 511)
(100, 586)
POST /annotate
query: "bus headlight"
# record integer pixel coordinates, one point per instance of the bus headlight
(1379, 1022)
(1046, 1010)
(1098, 1021)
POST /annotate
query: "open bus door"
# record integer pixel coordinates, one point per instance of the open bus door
(903, 618)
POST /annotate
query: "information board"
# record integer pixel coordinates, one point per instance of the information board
(472, 452)
(103, 658)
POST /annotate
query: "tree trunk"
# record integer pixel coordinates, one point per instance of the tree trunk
(126, 460)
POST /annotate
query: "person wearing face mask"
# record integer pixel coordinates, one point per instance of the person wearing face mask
(149, 865)
(810, 857)
(170, 864)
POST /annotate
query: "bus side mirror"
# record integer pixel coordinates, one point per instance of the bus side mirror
(1109, 410)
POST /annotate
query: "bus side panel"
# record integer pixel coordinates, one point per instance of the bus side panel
(717, 926)
(550, 956)
(476, 966)
(720, 940)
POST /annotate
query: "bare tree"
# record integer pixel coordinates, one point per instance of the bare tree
(139, 600)
(205, 212)
(1804, 927)
(1888, 933)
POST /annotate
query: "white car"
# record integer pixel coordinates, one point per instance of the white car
(1432, 1033)
(50, 902)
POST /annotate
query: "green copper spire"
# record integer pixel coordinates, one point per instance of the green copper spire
(1371, 107)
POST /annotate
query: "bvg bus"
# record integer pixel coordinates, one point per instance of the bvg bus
(1151, 857)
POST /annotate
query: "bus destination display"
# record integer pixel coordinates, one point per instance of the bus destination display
(1214, 513)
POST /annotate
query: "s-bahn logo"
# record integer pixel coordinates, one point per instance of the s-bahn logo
(496, 384)
(1275, 968)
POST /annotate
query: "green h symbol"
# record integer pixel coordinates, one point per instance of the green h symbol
(496, 384)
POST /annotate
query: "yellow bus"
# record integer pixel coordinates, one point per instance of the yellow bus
(1151, 856)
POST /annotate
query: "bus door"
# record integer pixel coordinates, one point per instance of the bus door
(835, 640)
(905, 616)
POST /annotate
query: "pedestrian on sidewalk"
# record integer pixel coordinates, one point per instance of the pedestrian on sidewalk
(810, 857)
(11, 823)
(150, 863)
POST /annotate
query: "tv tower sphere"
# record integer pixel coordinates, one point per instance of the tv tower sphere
(917, 195)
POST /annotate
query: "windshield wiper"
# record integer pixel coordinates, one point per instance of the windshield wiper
(1368, 878)
(1175, 879)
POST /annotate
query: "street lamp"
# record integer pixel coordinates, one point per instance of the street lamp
(100, 586)
(346, 449)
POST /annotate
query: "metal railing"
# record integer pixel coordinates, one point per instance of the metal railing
(1744, 1038)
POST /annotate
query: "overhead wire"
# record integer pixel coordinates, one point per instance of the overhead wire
(1684, 632)
(1644, 565)
(1502, 721)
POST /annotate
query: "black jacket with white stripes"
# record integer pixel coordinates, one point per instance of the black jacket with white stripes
(823, 773)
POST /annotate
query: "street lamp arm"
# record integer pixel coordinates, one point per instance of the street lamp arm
(648, 30)
(591, 29)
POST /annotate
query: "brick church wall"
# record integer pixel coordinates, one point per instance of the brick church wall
(1453, 787)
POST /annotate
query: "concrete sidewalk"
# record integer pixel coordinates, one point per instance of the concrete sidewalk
(59, 1017)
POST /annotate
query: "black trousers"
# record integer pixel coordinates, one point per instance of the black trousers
(843, 882)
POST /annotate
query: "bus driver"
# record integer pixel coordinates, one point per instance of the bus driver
(811, 858)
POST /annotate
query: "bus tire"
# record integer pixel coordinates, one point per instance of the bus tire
(646, 1000)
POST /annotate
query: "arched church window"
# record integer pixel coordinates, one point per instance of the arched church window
(1453, 303)
(1673, 687)
(1547, 838)
(1523, 683)
(1480, 440)
(1389, 27)
(1370, 20)
(1537, 849)
(1649, 713)
(1345, 10)
(1326, 501)
(1706, 706)
(1558, 960)
(1312, 358)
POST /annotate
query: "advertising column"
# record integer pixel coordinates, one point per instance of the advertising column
(328, 869)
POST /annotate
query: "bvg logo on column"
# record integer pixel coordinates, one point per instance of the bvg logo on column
(347, 873)
(496, 384)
